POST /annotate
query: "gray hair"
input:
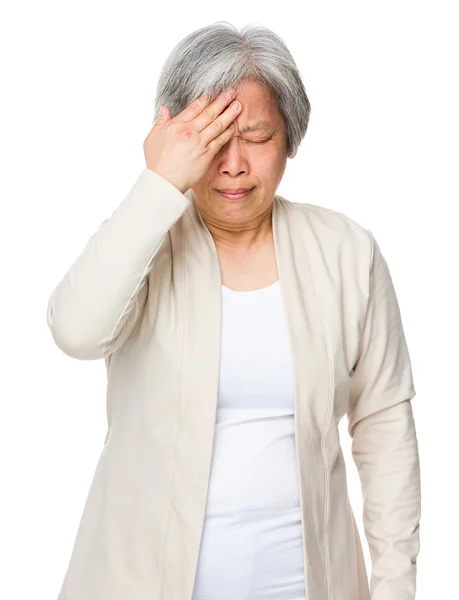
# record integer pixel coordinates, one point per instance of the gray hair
(218, 56)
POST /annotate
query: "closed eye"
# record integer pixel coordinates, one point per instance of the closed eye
(263, 142)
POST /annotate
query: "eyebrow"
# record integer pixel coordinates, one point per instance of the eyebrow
(257, 125)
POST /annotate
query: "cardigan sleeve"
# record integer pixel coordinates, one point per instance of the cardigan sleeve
(384, 441)
(98, 302)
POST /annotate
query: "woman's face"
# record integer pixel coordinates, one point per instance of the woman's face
(254, 157)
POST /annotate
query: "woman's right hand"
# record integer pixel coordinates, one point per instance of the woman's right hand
(181, 148)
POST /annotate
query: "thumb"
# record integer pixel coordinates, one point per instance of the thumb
(164, 115)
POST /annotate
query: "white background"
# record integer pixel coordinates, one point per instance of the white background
(78, 84)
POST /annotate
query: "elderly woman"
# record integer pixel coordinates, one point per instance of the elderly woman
(238, 328)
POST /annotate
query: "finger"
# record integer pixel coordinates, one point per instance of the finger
(212, 111)
(217, 142)
(219, 125)
(201, 112)
(193, 109)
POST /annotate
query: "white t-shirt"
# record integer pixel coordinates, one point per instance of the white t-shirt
(252, 540)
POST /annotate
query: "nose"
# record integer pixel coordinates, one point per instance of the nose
(232, 159)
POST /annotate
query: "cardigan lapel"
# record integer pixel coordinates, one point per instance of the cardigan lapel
(297, 258)
(297, 254)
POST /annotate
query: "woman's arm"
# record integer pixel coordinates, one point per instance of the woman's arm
(384, 442)
(98, 302)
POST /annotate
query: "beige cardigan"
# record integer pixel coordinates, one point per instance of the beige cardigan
(145, 295)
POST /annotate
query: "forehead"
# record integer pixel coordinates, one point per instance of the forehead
(259, 109)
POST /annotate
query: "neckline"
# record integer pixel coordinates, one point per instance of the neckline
(250, 292)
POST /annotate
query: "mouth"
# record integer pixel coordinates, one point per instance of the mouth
(234, 194)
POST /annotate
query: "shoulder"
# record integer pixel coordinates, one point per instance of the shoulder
(322, 216)
(333, 230)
